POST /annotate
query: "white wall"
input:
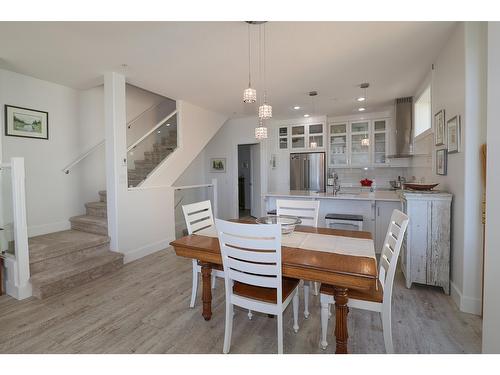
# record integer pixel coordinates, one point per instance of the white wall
(51, 196)
(458, 86)
(197, 127)
(491, 324)
(141, 220)
(225, 145)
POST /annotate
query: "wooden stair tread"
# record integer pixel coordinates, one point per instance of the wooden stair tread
(56, 244)
(71, 269)
(96, 204)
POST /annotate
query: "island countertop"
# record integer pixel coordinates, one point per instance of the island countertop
(380, 195)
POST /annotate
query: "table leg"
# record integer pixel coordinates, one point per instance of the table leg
(341, 311)
(206, 276)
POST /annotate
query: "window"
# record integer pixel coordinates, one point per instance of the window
(423, 112)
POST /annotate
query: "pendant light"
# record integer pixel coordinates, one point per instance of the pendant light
(249, 94)
(265, 110)
(261, 130)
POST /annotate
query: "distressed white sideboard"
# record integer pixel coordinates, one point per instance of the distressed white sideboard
(425, 254)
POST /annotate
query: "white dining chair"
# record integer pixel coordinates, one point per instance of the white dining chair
(251, 255)
(378, 300)
(308, 212)
(199, 216)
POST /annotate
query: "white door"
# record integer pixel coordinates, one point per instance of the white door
(255, 190)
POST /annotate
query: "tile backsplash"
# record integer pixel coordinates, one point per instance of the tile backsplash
(350, 177)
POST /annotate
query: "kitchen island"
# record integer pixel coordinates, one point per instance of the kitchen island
(375, 207)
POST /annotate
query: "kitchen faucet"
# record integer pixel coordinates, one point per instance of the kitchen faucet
(336, 183)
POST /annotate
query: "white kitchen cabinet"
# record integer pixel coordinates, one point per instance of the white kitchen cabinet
(380, 141)
(383, 212)
(425, 254)
(303, 137)
(338, 155)
(358, 143)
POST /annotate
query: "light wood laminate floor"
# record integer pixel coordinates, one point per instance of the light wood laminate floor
(143, 308)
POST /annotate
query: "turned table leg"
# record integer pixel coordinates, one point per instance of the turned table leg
(341, 311)
(206, 273)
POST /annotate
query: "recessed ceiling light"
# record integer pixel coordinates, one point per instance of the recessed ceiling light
(361, 109)
(296, 107)
(361, 99)
(306, 115)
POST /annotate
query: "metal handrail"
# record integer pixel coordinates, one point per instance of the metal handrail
(192, 186)
(67, 168)
(131, 122)
(81, 157)
(133, 145)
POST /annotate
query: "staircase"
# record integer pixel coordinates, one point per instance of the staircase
(155, 154)
(63, 260)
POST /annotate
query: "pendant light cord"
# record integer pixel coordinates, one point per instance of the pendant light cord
(249, 59)
(265, 76)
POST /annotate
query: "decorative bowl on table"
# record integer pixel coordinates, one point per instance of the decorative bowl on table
(419, 186)
(288, 223)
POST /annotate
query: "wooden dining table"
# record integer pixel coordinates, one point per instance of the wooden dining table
(343, 272)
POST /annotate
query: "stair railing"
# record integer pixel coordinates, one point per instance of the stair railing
(18, 264)
(152, 130)
(190, 189)
(91, 150)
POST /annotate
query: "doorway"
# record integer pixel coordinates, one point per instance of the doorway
(249, 180)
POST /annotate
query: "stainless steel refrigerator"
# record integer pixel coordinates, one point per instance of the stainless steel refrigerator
(307, 171)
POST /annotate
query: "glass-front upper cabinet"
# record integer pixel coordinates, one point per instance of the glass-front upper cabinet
(298, 136)
(360, 143)
(315, 136)
(338, 144)
(380, 141)
(283, 137)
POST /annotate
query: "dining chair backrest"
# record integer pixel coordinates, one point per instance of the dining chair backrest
(306, 210)
(390, 251)
(198, 216)
(251, 254)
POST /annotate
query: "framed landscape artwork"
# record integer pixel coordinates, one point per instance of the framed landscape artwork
(453, 134)
(439, 128)
(25, 122)
(441, 162)
(218, 165)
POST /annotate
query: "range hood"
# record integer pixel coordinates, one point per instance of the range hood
(404, 128)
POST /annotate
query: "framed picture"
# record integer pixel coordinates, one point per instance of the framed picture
(218, 165)
(453, 134)
(25, 122)
(441, 162)
(439, 128)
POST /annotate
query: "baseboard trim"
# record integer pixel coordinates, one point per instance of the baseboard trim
(132, 255)
(465, 303)
(18, 293)
(38, 230)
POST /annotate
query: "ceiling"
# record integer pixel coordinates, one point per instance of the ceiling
(206, 63)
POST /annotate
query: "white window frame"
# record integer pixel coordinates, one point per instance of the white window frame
(430, 130)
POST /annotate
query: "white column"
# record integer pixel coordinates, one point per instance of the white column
(20, 228)
(116, 150)
(491, 312)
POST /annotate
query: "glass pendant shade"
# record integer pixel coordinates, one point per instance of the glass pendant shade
(365, 142)
(265, 111)
(249, 95)
(261, 132)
